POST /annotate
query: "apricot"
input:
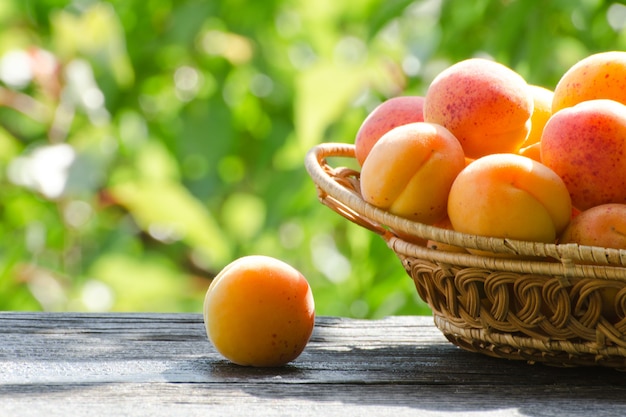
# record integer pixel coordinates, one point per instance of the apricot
(597, 76)
(509, 196)
(532, 151)
(586, 146)
(393, 112)
(259, 311)
(542, 110)
(409, 171)
(486, 105)
(603, 225)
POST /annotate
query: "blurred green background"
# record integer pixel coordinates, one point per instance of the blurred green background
(146, 144)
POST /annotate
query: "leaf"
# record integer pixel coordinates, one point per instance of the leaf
(149, 283)
(323, 93)
(167, 210)
(9, 147)
(98, 33)
(387, 11)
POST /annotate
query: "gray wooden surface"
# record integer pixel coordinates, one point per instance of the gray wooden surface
(163, 365)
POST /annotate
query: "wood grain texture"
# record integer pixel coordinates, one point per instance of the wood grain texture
(163, 365)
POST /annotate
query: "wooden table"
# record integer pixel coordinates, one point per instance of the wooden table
(61, 364)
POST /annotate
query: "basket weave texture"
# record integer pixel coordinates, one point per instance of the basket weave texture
(559, 304)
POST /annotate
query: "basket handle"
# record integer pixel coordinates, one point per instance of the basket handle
(347, 178)
(353, 216)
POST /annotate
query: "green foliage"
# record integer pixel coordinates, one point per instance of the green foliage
(144, 145)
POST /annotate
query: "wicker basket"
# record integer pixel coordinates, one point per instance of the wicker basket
(533, 301)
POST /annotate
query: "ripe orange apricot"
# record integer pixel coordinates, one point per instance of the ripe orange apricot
(532, 151)
(586, 146)
(509, 196)
(542, 110)
(603, 225)
(410, 170)
(597, 76)
(259, 311)
(486, 105)
(393, 112)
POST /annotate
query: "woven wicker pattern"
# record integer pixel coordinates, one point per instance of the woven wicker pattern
(532, 301)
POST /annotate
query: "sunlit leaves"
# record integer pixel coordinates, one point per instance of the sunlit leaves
(96, 33)
(323, 94)
(168, 212)
(129, 283)
(243, 216)
(186, 124)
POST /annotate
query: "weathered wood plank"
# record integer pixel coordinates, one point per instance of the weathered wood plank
(162, 364)
(256, 399)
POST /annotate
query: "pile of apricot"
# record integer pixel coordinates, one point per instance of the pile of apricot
(486, 153)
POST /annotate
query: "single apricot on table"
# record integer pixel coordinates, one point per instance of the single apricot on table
(586, 146)
(485, 104)
(393, 112)
(410, 170)
(259, 311)
(509, 196)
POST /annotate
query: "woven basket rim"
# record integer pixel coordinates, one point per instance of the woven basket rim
(599, 262)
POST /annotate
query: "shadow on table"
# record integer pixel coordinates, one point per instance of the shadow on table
(437, 378)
